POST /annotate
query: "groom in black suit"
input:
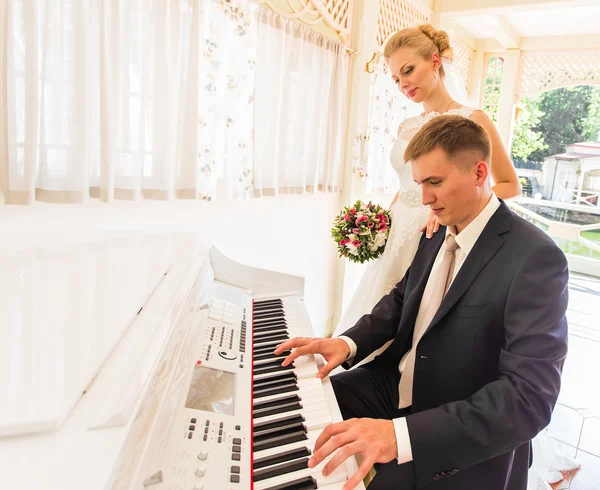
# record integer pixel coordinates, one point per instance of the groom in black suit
(479, 338)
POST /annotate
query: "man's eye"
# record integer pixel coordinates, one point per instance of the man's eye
(435, 182)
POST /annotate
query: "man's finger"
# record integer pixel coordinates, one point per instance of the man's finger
(292, 344)
(359, 476)
(335, 442)
(327, 368)
(342, 455)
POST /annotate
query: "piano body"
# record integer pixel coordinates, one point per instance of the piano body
(145, 362)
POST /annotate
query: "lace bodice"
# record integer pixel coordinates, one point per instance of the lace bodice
(408, 190)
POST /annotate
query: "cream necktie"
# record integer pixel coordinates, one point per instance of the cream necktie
(441, 282)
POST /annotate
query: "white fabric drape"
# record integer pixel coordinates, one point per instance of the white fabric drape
(299, 124)
(126, 99)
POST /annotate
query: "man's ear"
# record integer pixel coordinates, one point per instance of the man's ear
(482, 171)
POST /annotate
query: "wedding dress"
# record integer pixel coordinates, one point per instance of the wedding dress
(408, 216)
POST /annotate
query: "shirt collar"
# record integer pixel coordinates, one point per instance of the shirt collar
(466, 239)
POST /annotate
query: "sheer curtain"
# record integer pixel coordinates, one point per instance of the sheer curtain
(126, 99)
(299, 123)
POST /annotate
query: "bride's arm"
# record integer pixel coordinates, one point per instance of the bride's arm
(394, 200)
(506, 182)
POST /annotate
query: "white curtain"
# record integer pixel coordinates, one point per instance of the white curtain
(387, 109)
(299, 123)
(125, 99)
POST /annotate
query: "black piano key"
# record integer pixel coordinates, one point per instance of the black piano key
(268, 315)
(265, 434)
(273, 376)
(271, 331)
(265, 302)
(290, 455)
(273, 340)
(306, 483)
(272, 369)
(273, 362)
(273, 403)
(281, 357)
(268, 306)
(280, 469)
(265, 412)
(288, 388)
(282, 440)
(269, 328)
(283, 336)
(260, 384)
(264, 349)
(266, 322)
(288, 419)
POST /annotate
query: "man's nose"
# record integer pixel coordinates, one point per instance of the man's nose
(427, 197)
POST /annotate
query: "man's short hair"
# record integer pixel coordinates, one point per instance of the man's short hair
(464, 141)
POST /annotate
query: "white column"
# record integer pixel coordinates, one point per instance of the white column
(364, 35)
(477, 76)
(508, 95)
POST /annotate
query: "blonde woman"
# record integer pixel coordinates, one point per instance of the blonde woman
(419, 62)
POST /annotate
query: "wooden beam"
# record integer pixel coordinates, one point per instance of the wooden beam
(505, 33)
(506, 6)
(449, 24)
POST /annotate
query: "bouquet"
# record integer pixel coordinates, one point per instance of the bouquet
(361, 231)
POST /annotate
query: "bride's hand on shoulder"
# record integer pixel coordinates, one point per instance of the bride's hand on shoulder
(432, 226)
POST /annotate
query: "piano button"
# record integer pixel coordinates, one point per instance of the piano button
(205, 437)
(221, 425)
(235, 457)
(235, 470)
(220, 432)
(207, 423)
(237, 441)
(192, 427)
(190, 435)
(193, 421)
(280, 469)
(220, 440)
(282, 457)
(206, 430)
(234, 479)
(237, 427)
(236, 449)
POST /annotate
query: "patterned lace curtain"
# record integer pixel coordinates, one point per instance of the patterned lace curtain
(126, 100)
(387, 109)
(299, 123)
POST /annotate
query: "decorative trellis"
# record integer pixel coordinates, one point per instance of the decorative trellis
(398, 14)
(337, 14)
(462, 59)
(542, 71)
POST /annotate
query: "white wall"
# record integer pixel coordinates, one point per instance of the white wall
(286, 233)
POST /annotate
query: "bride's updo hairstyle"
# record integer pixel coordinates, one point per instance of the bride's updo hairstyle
(424, 39)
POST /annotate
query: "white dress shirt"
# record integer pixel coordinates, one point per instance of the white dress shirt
(466, 240)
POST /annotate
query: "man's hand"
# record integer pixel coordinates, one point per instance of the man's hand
(374, 439)
(432, 226)
(335, 351)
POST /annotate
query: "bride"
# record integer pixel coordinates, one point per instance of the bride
(417, 61)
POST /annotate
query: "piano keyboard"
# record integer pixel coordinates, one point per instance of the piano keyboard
(249, 425)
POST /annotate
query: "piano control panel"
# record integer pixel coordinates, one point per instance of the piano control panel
(209, 445)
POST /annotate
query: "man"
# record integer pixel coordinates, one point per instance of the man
(479, 338)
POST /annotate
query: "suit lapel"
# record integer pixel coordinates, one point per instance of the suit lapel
(486, 246)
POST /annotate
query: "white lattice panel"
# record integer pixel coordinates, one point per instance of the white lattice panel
(398, 14)
(462, 58)
(337, 14)
(546, 71)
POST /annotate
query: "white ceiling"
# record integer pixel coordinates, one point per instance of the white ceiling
(549, 21)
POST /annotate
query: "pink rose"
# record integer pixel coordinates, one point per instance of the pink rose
(355, 230)
(361, 219)
(353, 211)
(371, 224)
(382, 227)
(356, 243)
(344, 241)
(347, 218)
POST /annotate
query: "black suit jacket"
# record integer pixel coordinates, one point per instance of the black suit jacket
(487, 370)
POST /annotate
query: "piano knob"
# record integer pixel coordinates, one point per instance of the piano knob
(202, 455)
(200, 470)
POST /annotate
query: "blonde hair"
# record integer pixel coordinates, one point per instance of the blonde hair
(425, 40)
(456, 136)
